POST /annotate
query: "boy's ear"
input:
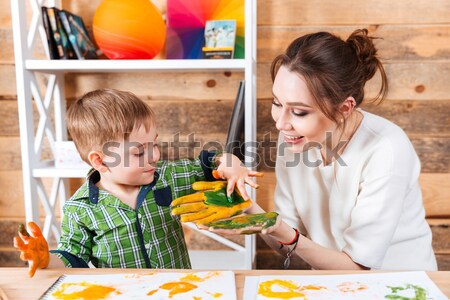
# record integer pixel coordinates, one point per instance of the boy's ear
(348, 106)
(96, 160)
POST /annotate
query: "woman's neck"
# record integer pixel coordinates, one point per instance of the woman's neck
(336, 143)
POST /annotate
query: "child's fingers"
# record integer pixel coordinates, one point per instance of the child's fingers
(241, 187)
(25, 238)
(230, 186)
(217, 174)
(251, 183)
(255, 174)
(189, 208)
(192, 198)
(19, 244)
(196, 216)
(34, 229)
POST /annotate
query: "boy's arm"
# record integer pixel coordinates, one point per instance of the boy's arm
(224, 166)
(75, 244)
(184, 172)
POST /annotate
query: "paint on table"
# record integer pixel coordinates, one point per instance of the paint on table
(367, 286)
(214, 285)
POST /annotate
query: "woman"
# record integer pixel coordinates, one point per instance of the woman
(346, 179)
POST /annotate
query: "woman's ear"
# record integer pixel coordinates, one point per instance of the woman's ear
(96, 160)
(348, 106)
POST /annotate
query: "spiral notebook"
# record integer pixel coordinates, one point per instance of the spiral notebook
(151, 285)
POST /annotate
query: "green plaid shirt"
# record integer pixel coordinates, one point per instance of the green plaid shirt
(98, 228)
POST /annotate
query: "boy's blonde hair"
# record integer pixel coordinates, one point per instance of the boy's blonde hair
(106, 115)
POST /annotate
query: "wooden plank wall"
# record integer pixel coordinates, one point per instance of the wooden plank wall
(415, 50)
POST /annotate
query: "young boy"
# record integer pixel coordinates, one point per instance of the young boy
(120, 217)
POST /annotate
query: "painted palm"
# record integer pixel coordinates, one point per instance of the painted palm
(186, 23)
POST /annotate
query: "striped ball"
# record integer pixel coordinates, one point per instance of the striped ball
(129, 29)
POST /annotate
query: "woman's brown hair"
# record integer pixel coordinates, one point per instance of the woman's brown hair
(334, 69)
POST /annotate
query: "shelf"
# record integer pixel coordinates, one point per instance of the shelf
(162, 65)
(53, 172)
(53, 103)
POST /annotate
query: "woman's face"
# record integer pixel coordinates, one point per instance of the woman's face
(296, 113)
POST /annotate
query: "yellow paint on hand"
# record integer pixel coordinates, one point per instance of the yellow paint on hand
(90, 291)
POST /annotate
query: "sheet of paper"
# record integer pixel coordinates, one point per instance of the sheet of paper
(394, 285)
(152, 285)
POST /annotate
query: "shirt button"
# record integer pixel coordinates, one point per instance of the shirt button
(140, 216)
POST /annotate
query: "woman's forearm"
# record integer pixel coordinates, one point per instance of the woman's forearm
(316, 256)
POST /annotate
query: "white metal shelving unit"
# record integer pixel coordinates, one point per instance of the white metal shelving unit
(34, 169)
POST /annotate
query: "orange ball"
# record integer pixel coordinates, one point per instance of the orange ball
(129, 29)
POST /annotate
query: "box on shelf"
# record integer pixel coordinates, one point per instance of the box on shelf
(220, 36)
(67, 156)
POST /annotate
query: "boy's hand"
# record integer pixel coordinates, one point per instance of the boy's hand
(209, 205)
(33, 248)
(232, 169)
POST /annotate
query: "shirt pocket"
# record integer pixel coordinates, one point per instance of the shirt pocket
(163, 196)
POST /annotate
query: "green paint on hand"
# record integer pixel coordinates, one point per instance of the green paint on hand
(220, 198)
(255, 223)
(23, 230)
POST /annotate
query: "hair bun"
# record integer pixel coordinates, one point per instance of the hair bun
(365, 51)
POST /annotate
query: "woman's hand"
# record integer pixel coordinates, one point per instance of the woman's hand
(233, 170)
(264, 223)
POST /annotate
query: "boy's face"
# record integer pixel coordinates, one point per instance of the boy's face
(133, 161)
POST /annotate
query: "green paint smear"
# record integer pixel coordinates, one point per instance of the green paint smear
(262, 221)
(23, 230)
(220, 198)
(420, 292)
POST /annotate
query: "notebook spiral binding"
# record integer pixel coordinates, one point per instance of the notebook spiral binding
(52, 288)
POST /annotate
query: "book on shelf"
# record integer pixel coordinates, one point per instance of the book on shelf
(78, 35)
(220, 37)
(66, 35)
(62, 43)
(53, 51)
